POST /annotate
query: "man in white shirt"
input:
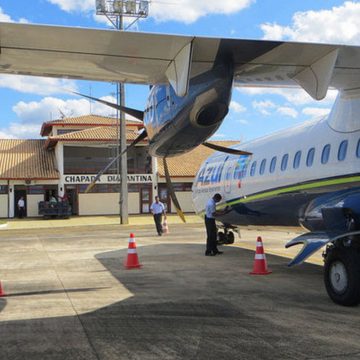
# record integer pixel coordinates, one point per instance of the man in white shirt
(157, 208)
(211, 230)
(21, 207)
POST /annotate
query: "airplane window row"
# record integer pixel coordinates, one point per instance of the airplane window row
(325, 155)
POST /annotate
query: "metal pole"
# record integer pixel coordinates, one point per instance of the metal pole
(123, 201)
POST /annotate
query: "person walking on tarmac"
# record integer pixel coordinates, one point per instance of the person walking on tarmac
(157, 208)
(211, 231)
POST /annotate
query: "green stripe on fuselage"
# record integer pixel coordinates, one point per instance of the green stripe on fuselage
(271, 193)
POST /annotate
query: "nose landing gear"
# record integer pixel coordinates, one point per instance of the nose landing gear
(226, 235)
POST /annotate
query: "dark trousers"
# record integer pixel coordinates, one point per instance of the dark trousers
(21, 212)
(158, 223)
(211, 233)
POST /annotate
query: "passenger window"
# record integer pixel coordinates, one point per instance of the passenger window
(325, 154)
(310, 157)
(262, 166)
(253, 168)
(297, 159)
(284, 162)
(273, 164)
(358, 149)
(342, 150)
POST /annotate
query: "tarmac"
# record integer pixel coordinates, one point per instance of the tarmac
(68, 295)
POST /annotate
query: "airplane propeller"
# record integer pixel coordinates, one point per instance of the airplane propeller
(140, 116)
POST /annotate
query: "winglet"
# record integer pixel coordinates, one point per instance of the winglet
(315, 79)
(178, 71)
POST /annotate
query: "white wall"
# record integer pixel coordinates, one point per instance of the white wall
(134, 203)
(3, 206)
(106, 204)
(98, 204)
(185, 201)
(32, 202)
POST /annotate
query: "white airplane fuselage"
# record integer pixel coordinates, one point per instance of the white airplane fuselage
(322, 170)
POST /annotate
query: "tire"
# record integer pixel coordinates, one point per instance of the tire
(342, 275)
(230, 238)
(221, 238)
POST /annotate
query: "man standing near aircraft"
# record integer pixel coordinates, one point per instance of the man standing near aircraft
(211, 231)
(157, 208)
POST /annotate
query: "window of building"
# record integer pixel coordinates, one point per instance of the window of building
(342, 150)
(182, 186)
(358, 149)
(284, 162)
(297, 159)
(273, 164)
(36, 190)
(91, 160)
(262, 166)
(4, 189)
(253, 169)
(310, 157)
(325, 154)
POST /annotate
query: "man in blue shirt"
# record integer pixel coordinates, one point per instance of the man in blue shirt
(157, 208)
(211, 230)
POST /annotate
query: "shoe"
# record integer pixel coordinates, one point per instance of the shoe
(218, 252)
(209, 253)
(159, 234)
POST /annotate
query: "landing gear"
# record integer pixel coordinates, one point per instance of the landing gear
(342, 273)
(225, 237)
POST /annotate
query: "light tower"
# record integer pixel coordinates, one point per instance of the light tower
(115, 11)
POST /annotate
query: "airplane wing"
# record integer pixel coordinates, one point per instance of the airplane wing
(144, 58)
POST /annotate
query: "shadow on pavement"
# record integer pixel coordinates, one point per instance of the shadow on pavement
(188, 306)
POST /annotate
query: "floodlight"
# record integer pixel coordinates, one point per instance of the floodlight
(130, 6)
(143, 7)
(100, 6)
(118, 6)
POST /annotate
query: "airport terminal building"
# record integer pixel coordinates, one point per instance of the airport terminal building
(72, 152)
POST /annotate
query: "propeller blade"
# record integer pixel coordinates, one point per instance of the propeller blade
(137, 114)
(141, 137)
(225, 149)
(172, 192)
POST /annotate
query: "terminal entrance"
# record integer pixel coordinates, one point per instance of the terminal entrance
(19, 191)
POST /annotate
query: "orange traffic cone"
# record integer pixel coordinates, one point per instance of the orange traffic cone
(260, 264)
(2, 293)
(132, 261)
(165, 227)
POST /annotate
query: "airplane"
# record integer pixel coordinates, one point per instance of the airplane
(191, 81)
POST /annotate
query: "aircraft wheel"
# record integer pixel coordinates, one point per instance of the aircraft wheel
(221, 238)
(342, 275)
(230, 238)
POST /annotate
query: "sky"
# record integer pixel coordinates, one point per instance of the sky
(26, 102)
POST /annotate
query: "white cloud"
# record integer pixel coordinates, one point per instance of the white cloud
(337, 25)
(33, 114)
(186, 11)
(315, 111)
(7, 18)
(218, 136)
(237, 107)
(287, 111)
(36, 85)
(242, 121)
(294, 96)
(263, 106)
(50, 108)
(74, 5)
